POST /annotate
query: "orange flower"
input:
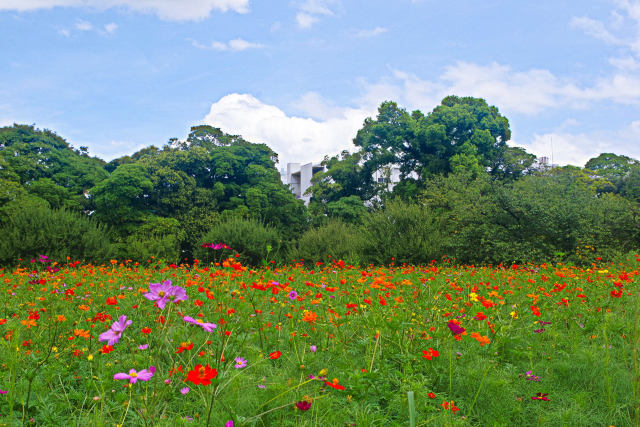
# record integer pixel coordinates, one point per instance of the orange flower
(309, 317)
(82, 333)
(481, 339)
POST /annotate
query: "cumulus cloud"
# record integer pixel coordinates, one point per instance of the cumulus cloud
(178, 10)
(295, 139)
(372, 32)
(576, 149)
(234, 45)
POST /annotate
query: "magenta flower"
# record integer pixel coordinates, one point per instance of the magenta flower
(313, 348)
(133, 376)
(228, 423)
(4, 391)
(303, 405)
(216, 246)
(184, 390)
(209, 327)
(455, 328)
(143, 346)
(540, 396)
(293, 295)
(240, 362)
(113, 335)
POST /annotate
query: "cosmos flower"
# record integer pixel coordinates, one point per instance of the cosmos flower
(303, 405)
(293, 295)
(540, 396)
(275, 355)
(240, 362)
(455, 328)
(164, 292)
(209, 327)
(113, 335)
(202, 374)
(133, 376)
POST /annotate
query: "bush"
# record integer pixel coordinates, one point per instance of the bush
(401, 232)
(253, 240)
(335, 240)
(33, 229)
(157, 237)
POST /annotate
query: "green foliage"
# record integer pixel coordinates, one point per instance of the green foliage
(248, 237)
(157, 237)
(335, 240)
(33, 229)
(401, 233)
(31, 154)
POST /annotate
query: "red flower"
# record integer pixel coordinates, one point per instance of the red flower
(106, 349)
(480, 316)
(334, 384)
(202, 375)
(535, 310)
(431, 395)
(275, 355)
(111, 301)
(146, 330)
(428, 354)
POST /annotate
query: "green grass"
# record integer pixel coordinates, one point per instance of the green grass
(371, 329)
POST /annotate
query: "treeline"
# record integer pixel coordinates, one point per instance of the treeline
(463, 194)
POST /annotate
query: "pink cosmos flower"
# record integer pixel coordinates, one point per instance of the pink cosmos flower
(133, 376)
(113, 335)
(240, 362)
(209, 327)
(164, 292)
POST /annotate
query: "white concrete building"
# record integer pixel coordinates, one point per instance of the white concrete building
(298, 177)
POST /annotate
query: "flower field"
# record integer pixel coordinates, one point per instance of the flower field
(227, 345)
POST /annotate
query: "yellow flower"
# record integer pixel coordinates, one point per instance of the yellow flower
(90, 357)
(473, 296)
(514, 314)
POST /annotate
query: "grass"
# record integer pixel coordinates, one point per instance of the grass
(370, 329)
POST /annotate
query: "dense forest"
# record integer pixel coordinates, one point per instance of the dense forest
(464, 195)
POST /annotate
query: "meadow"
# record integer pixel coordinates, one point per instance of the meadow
(157, 344)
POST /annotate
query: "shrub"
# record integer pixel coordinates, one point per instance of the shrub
(251, 239)
(33, 229)
(335, 240)
(401, 232)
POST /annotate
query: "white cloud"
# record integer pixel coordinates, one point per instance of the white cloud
(111, 27)
(178, 10)
(234, 45)
(594, 28)
(577, 148)
(310, 11)
(64, 32)
(305, 20)
(295, 139)
(84, 26)
(371, 33)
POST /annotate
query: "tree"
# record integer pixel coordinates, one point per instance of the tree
(612, 167)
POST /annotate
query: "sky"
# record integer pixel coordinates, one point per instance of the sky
(302, 75)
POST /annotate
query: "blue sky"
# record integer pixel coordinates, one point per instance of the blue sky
(301, 75)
